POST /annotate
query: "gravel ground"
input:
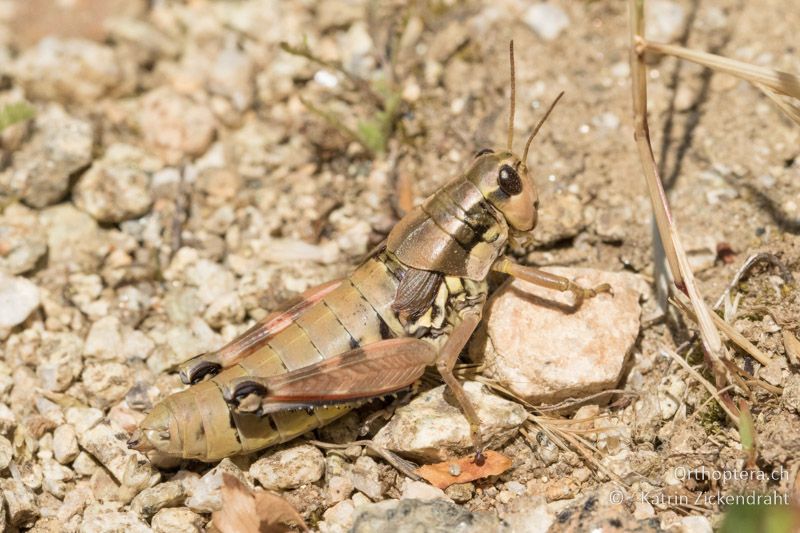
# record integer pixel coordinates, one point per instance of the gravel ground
(178, 180)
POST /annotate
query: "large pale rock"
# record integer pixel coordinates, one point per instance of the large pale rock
(536, 347)
(433, 428)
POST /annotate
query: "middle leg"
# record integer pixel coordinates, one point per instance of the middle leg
(445, 363)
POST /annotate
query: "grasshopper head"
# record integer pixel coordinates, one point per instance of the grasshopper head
(503, 180)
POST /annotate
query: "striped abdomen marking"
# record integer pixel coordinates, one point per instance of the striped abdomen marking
(356, 313)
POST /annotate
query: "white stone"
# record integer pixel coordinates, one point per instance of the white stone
(339, 488)
(60, 360)
(117, 187)
(289, 468)
(205, 494)
(129, 467)
(174, 126)
(339, 517)
(6, 453)
(20, 502)
(536, 347)
(431, 428)
(19, 297)
(106, 383)
(665, 20)
(419, 490)
(691, 524)
(76, 70)
(83, 418)
(177, 520)
(670, 396)
(60, 146)
(55, 477)
(101, 519)
(65, 444)
(104, 339)
(546, 19)
(366, 477)
(84, 464)
(153, 499)
(530, 514)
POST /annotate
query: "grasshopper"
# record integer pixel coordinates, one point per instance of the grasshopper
(413, 303)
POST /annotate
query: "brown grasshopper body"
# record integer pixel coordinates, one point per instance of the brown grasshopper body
(413, 303)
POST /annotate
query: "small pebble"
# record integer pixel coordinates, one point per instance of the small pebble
(153, 499)
(20, 502)
(177, 520)
(665, 20)
(289, 468)
(205, 493)
(366, 477)
(60, 361)
(110, 449)
(174, 126)
(547, 354)
(100, 519)
(419, 490)
(117, 187)
(791, 393)
(60, 146)
(19, 297)
(546, 19)
(460, 492)
(69, 70)
(6, 452)
(65, 444)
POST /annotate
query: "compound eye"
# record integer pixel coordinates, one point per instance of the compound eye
(509, 181)
(484, 151)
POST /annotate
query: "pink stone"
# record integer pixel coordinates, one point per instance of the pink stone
(534, 346)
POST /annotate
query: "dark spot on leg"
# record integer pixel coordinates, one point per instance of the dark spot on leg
(199, 371)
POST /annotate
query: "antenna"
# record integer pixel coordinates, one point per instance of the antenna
(513, 96)
(538, 126)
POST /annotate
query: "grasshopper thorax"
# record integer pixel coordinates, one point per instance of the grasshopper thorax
(463, 227)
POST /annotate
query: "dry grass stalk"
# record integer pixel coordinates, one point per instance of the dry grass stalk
(676, 257)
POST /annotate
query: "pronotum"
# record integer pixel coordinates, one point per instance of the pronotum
(414, 302)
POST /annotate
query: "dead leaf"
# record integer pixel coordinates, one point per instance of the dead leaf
(441, 474)
(246, 511)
